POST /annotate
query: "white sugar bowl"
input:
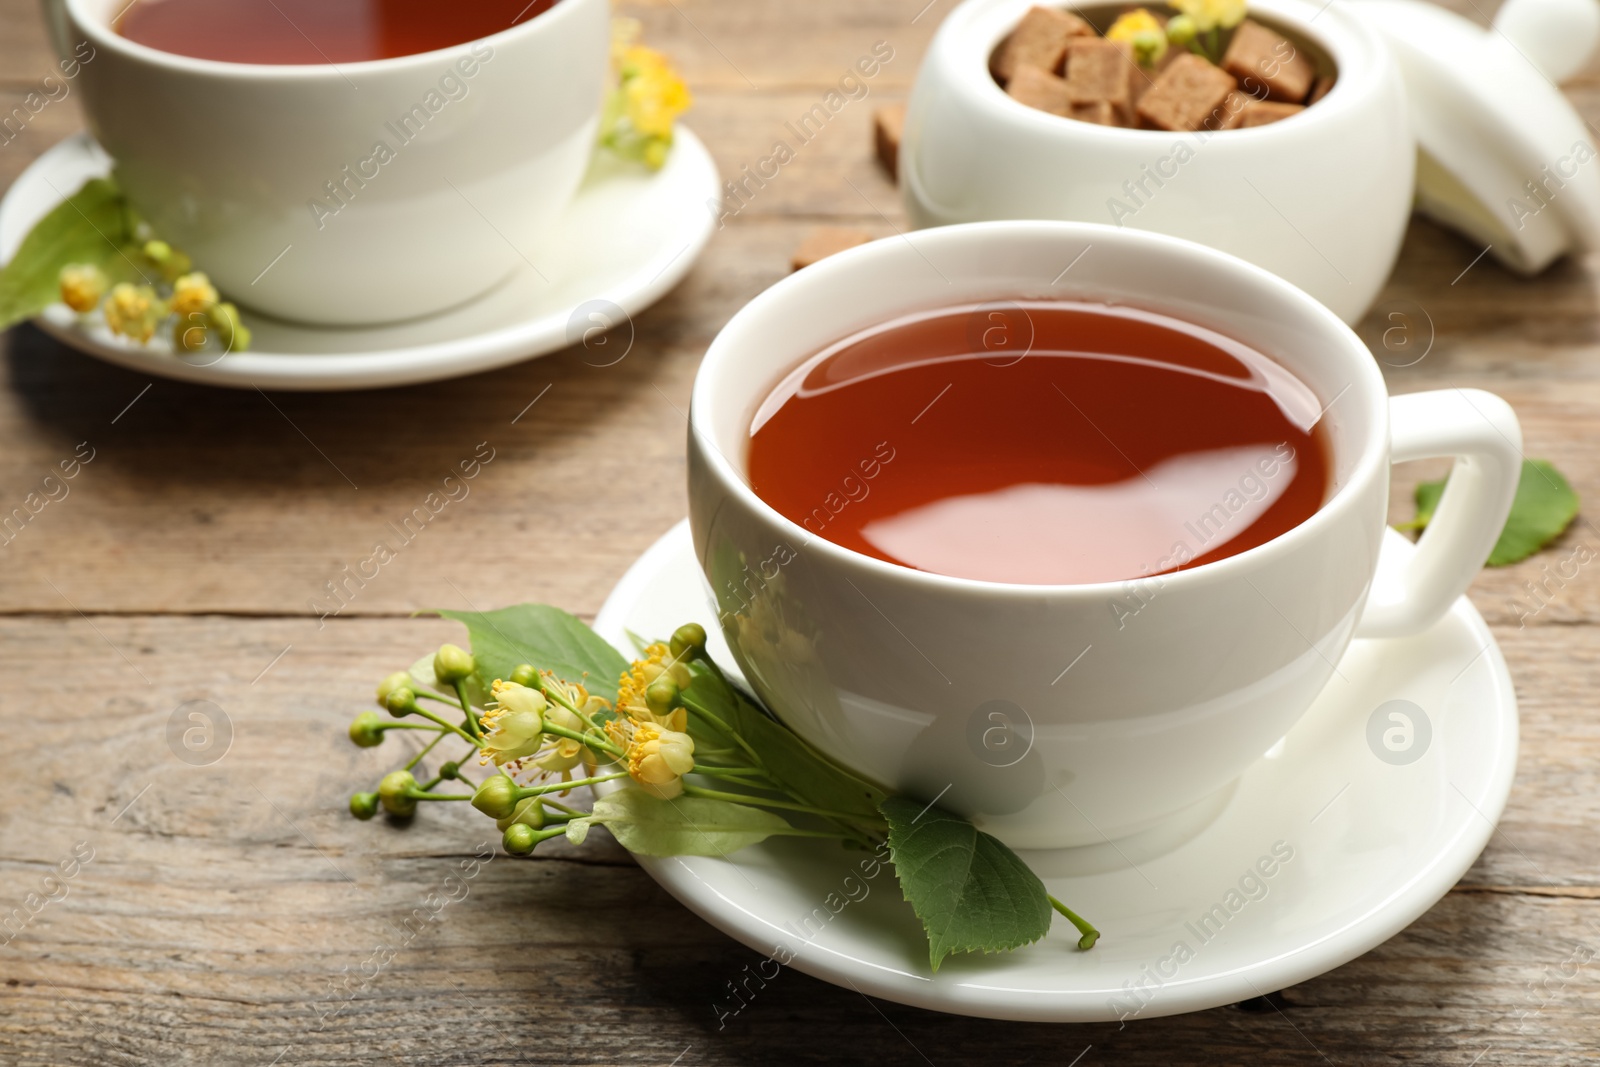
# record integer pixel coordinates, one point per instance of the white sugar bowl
(1320, 198)
(1428, 108)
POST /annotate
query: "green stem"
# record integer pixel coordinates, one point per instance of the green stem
(441, 698)
(751, 778)
(420, 794)
(562, 787)
(726, 730)
(405, 726)
(746, 798)
(426, 748)
(1090, 934)
(466, 707)
(562, 807)
(469, 739)
(583, 739)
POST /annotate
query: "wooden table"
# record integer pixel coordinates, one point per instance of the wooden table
(230, 911)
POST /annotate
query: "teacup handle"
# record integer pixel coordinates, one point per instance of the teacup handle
(1481, 431)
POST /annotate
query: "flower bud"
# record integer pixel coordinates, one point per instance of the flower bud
(452, 664)
(172, 262)
(394, 792)
(401, 701)
(397, 680)
(231, 330)
(1181, 29)
(525, 674)
(688, 641)
(519, 840)
(661, 694)
(450, 771)
(189, 333)
(496, 797)
(82, 286)
(364, 805)
(528, 812)
(366, 731)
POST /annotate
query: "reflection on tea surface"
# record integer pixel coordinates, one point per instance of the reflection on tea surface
(1041, 443)
(302, 32)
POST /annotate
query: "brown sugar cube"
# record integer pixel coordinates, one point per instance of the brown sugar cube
(1185, 94)
(1039, 89)
(823, 242)
(1320, 90)
(1098, 71)
(1229, 114)
(1040, 40)
(1144, 77)
(888, 124)
(1241, 111)
(1256, 55)
(1265, 112)
(1101, 113)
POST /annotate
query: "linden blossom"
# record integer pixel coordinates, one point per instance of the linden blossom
(341, 189)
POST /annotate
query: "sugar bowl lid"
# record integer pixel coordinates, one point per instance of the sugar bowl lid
(1501, 154)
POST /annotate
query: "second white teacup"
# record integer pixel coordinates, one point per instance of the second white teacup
(909, 677)
(358, 192)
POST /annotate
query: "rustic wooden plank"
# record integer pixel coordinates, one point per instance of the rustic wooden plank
(224, 905)
(257, 521)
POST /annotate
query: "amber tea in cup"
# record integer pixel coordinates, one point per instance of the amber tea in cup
(1041, 442)
(299, 32)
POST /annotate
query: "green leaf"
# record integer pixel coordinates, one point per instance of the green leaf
(972, 893)
(686, 826)
(92, 226)
(793, 765)
(1543, 507)
(546, 637)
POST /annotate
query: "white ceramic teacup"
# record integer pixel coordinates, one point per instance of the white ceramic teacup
(1064, 715)
(356, 192)
(1321, 198)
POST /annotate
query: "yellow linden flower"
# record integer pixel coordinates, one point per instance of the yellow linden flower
(82, 286)
(1143, 32)
(654, 94)
(632, 700)
(133, 311)
(514, 727)
(658, 759)
(637, 120)
(1211, 14)
(193, 293)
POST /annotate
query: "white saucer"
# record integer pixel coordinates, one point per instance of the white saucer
(1375, 844)
(627, 239)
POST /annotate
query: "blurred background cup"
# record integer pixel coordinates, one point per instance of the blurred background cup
(354, 192)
